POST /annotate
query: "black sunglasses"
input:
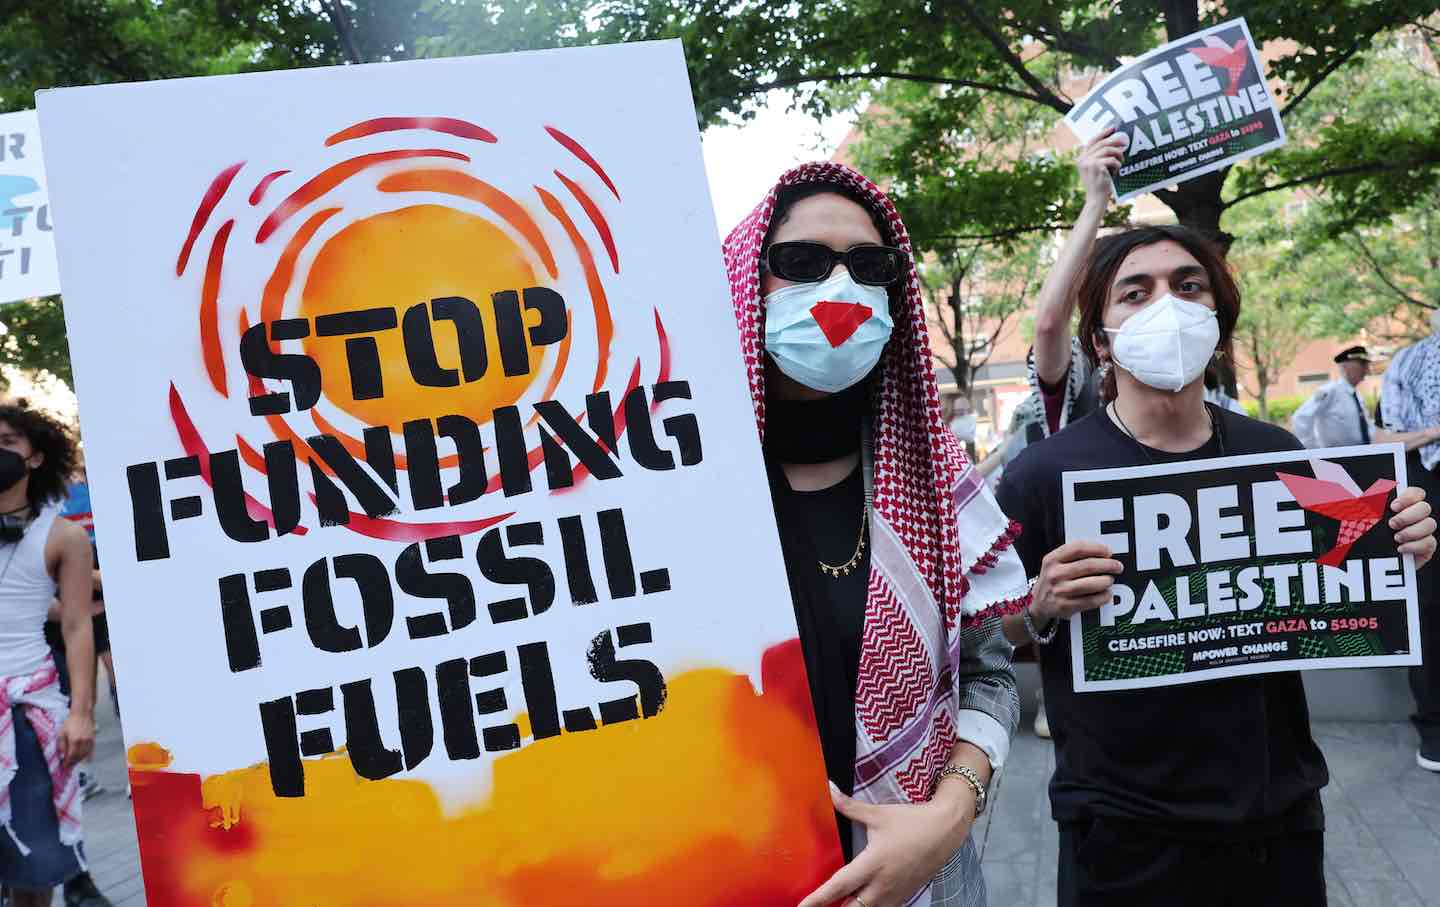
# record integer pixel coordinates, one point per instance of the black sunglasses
(803, 261)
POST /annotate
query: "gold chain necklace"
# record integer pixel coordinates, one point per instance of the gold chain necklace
(845, 569)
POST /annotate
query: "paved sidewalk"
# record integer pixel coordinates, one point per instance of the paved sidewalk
(110, 846)
(1382, 843)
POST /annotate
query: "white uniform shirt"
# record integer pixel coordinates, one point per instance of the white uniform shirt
(1332, 417)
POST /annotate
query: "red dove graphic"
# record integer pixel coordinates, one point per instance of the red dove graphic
(839, 320)
(1334, 494)
(1219, 54)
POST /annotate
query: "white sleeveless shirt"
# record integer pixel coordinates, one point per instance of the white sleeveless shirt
(26, 591)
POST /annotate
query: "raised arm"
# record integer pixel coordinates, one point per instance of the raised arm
(1056, 303)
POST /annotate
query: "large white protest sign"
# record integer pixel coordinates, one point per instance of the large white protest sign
(27, 243)
(438, 547)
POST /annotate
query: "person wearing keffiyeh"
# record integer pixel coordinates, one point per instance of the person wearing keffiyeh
(900, 563)
(1410, 401)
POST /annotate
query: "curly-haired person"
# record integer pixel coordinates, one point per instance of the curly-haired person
(41, 558)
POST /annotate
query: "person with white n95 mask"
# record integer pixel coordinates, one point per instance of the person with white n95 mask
(1199, 793)
(1167, 344)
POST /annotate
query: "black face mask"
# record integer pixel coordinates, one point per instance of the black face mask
(816, 431)
(12, 528)
(12, 469)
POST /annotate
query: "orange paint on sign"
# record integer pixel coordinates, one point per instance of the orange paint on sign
(399, 259)
(719, 801)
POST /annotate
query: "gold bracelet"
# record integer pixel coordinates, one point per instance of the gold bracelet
(971, 777)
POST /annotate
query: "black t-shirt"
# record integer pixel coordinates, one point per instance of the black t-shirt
(829, 611)
(1196, 758)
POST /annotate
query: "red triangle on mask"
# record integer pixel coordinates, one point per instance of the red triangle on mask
(839, 320)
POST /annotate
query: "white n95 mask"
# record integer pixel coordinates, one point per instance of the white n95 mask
(1167, 344)
(827, 335)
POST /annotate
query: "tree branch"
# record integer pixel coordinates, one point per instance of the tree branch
(1008, 233)
(1058, 39)
(1012, 59)
(987, 346)
(343, 31)
(1375, 266)
(1324, 74)
(900, 76)
(1369, 167)
(946, 334)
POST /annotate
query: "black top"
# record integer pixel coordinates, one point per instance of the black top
(1193, 759)
(829, 611)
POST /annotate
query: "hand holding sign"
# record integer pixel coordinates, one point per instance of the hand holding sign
(1099, 163)
(1414, 526)
(1075, 577)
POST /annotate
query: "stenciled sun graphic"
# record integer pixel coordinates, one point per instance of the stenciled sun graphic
(403, 266)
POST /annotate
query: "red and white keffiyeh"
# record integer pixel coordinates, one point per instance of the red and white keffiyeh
(941, 554)
(46, 708)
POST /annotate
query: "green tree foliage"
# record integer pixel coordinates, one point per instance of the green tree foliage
(1279, 410)
(1369, 253)
(1382, 279)
(79, 42)
(34, 338)
(1280, 309)
(1382, 113)
(48, 43)
(978, 68)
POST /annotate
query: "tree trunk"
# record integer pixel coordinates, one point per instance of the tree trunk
(1182, 17)
(340, 20)
(961, 370)
(1262, 382)
(1197, 204)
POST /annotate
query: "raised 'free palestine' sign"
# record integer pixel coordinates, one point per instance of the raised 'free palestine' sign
(1192, 106)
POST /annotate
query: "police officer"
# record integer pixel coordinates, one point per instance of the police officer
(1335, 416)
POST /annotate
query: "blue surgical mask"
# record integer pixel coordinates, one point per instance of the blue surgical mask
(827, 335)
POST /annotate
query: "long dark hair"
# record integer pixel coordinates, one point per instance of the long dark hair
(49, 437)
(1111, 251)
